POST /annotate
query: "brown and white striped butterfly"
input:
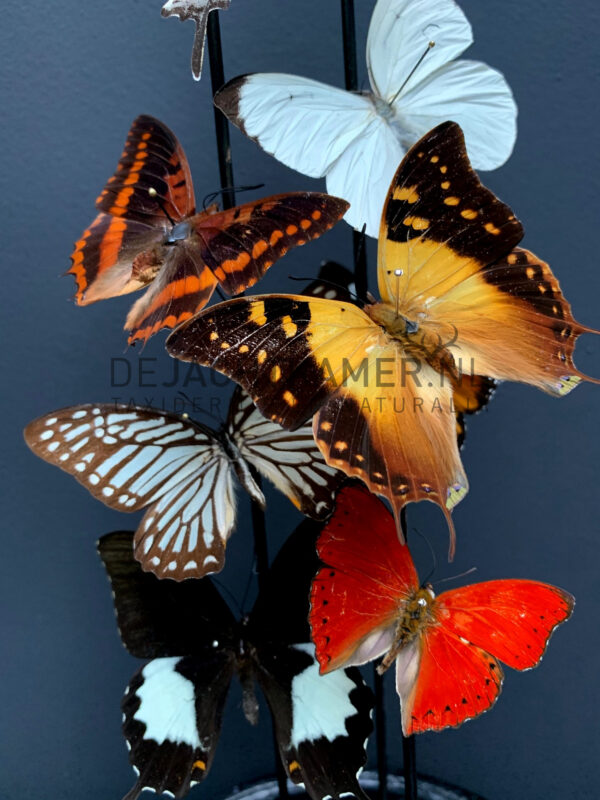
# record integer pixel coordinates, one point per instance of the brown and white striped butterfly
(182, 472)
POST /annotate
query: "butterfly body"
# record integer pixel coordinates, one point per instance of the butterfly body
(150, 235)
(181, 473)
(173, 707)
(461, 307)
(367, 603)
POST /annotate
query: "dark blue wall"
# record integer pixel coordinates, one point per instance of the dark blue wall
(74, 76)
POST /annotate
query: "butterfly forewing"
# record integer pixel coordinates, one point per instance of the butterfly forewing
(153, 160)
(133, 458)
(290, 460)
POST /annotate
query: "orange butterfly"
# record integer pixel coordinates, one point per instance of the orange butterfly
(461, 304)
(367, 602)
(149, 234)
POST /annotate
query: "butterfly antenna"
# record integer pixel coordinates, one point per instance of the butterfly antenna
(425, 581)
(455, 577)
(335, 285)
(412, 72)
(161, 203)
(210, 197)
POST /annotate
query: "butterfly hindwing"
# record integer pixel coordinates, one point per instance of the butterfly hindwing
(290, 460)
(321, 721)
(172, 712)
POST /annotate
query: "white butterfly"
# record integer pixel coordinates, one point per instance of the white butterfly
(198, 10)
(358, 140)
(182, 472)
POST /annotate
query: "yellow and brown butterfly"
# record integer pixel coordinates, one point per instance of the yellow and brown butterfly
(461, 306)
(149, 234)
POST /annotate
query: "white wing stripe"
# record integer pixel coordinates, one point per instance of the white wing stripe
(110, 463)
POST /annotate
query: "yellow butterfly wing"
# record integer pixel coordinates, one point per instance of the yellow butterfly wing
(448, 260)
(380, 414)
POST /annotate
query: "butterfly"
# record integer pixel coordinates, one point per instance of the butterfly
(197, 10)
(461, 307)
(356, 140)
(367, 602)
(182, 472)
(148, 234)
(172, 708)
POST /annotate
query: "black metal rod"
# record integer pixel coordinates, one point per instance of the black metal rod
(217, 78)
(259, 528)
(380, 735)
(409, 752)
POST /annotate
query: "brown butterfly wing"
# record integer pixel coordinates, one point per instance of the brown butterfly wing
(240, 244)
(470, 394)
(121, 250)
(154, 160)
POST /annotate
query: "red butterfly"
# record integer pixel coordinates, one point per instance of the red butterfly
(367, 602)
(149, 234)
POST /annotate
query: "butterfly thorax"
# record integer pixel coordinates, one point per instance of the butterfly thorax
(415, 614)
(241, 468)
(179, 232)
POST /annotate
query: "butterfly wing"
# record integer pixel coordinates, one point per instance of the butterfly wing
(334, 282)
(198, 11)
(122, 246)
(452, 673)
(400, 32)
(366, 573)
(132, 458)
(498, 306)
(321, 721)
(470, 394)
(172, 708)
(382, 416)
(290, 460)
(320, 131)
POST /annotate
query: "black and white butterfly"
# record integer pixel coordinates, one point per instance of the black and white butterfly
(172, 708)
(182, 472)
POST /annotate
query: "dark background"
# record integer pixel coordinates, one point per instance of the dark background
(74, 77)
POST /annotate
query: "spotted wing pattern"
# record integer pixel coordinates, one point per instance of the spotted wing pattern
(133, 458)
(290, 460)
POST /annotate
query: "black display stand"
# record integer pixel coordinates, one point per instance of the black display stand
(378, 784)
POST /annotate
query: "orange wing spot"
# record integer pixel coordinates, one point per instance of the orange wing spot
(341, 445)
(146, 136)
(258, 249)
(120, 206)
(214, 336)
(294, 766)
(305, 224)
(420, 224)
(243, 348)
(219, 274)
(199, 765)
(491, 228)
(451, 201)
(445, 184)
(316, 214)
(275, 237)
(435, 159)
(512, 259)
(289, 398)
(289, 328)
(262, 356)
(224, 346)
(469, 213)
(237, 264)
(542, 289)
(142, 146)
(443, 170)
(291, 230)
(407, 193)
(530, 272)
(326, 426)
(275, 374)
